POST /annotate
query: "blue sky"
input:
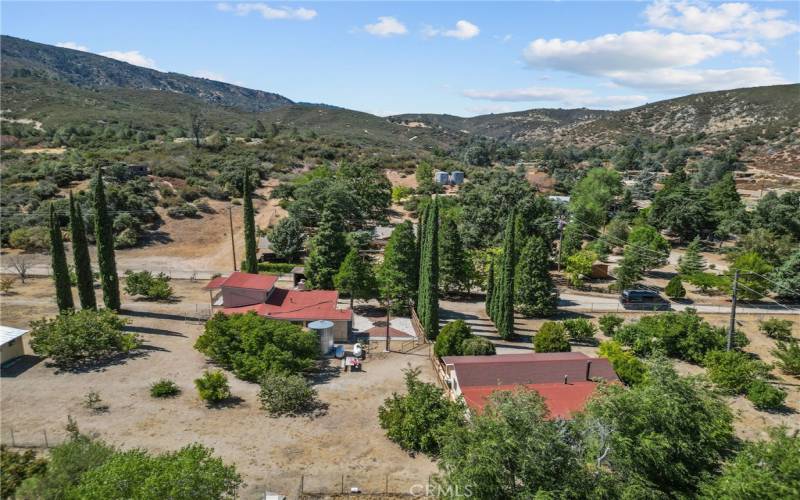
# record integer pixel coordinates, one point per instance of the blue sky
(463, 58)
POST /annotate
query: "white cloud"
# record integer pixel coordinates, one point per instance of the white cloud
(698, 80)
(131, 57)
(386, 26)
(464, 30)
(503, 38)
(490, 108)
(631, 51)
(730, 19)
(570, 97)
(267, 12)
(73, 46)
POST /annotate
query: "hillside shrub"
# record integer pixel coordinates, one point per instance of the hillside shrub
(765, 396)
(416, 420)
(776, 328)
(609, 323)
(551, 337)
(212, 387)
(683, 335)
(251, 345)
(675, 289)
(734, 371)
(580, 330)
(73, 339)
(164, 388)
(451, 338)
(16, 467)
(628, 367)
(477, 346)
(148, 285)
(788, 354)
(276, 267)
(283, 394)
(30, 239)
(183, 210)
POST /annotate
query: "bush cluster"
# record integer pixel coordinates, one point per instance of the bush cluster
(551, 337)
(628, 367)
(252, 346)
(580, 330)
(212, 387)
(164, 388)
(286, 394)
(148, 285)
(737, 373)
(72, 339)
(776, 328)
(456, 339)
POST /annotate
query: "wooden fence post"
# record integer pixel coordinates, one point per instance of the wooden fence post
(13, 443)
(46, 444)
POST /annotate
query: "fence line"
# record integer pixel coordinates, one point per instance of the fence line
(390, 485)
(700, 308)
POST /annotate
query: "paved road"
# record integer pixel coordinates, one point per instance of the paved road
(592, 303)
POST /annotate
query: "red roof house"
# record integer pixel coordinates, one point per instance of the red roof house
(244, 292)
(566, 380)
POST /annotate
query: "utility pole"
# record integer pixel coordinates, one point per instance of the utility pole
(561, 222)
(233, 243)
(732, 325)
(388, 307)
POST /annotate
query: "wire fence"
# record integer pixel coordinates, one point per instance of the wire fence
(365, 486)
(611, 307)
(17, 437)
(44, 270)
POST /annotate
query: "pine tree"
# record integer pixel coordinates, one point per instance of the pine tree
(630, 270)
(536, 295)
(399, 273)
(80, 255)
(504, 315)
(786, 278)
(59, 263)
(104, 237)
(328, 250)
(489, 289)
(250, 257)
(692, 262)
(675, 289)
(428, 301)
(453, 262)
(355, 276)
(723, 195)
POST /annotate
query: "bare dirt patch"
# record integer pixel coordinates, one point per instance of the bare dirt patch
(271, 453)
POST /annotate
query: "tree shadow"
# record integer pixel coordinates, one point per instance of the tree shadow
(325, 371)
(229, 402)
(152, 331)
(156, 315)
(101, 365)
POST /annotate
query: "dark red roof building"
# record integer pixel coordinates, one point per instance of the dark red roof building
(566, 380)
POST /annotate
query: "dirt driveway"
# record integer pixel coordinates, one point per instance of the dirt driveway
(272, 454)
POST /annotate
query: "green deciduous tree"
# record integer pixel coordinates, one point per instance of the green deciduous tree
(627, 366)
(148, 285)
(477, 346)
(579, 266)
(399, 273)
(668, 431)
(250, 248)
(733, 371)
(451, 339)
(535, 293)
(355, 277)
(571, 241)
(287, 238)
(416, 420)
(328, 250)
(59, 264)
(85, 337)
(503, 295)
(650, 247)
(104, 237)
(551, 337)
(592, 197)
(786, 278)
(753, 281)
(80, 255)
(286, 394)
(762, 469)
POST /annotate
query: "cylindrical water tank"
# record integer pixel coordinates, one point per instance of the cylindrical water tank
(457, 177)
(324, 330)
(441, 177)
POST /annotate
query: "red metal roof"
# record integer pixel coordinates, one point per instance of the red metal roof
(533, 372)
(514, 358)
(243, 280)
(562, 400)
(305, 305)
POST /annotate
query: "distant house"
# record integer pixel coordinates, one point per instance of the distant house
(12, 344)
(138, 170)
(566, 380)
(240, 293)
(265, 251)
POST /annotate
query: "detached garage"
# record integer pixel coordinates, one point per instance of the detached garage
(12, 344)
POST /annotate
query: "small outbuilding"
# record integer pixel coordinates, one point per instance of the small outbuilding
(12, 345)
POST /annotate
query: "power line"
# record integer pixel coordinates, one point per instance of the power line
(761, 295)
(775, 283)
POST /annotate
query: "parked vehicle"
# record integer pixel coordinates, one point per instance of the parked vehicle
(646, 300)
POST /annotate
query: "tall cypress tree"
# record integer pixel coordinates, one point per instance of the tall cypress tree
(504, 315)
(535, 292)
(399, 272)
(428, 306)
(489, 289)
(59, 263)
(104, 237)
(453, 261)
(250, 257)
(80, 254)
(328, 249)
